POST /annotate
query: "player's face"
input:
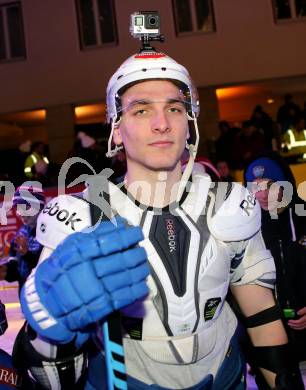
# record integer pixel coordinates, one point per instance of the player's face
(223, 168)
(154, 125)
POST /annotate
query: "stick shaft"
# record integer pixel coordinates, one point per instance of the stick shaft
(113, 342)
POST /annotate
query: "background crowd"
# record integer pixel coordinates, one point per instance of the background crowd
(235, 146)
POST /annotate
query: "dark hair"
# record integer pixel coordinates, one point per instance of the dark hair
(223, 124)
(288, 96)
(297, 119)
(35, 145)
(258, 108)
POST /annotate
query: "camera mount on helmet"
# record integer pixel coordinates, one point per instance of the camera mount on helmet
(145, 26)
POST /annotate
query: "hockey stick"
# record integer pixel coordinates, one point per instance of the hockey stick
(113, 343)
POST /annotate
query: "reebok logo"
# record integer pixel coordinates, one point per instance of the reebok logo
(210, 308)
(248, 204)
(62, 215)
(43, 227)
(171, 234)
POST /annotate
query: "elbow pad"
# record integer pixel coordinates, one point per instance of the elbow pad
(280, 360)
(276, 358)
(52, 366)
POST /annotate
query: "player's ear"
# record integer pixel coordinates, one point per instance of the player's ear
(117, 135)
(187, 134)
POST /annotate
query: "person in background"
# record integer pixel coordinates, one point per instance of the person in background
(264, 122)
(118, 165)
(284, 233)
(88, 149)
(201, 165)
(224, 171)
(287, 113)
(294, 145)
(24, 248)
(304, 111)
(225, 141)
(24, 254)
(36, 164)
(10, 377)
(249, 143)
(19, 157)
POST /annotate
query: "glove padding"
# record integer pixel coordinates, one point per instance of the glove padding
(88, 276)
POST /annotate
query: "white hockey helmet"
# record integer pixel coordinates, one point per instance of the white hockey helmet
(148, 65)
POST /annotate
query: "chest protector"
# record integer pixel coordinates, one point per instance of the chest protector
(189, 260)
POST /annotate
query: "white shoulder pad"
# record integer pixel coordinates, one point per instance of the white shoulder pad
(61, 217)
(233, 215)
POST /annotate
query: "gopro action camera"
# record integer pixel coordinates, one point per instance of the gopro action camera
(145, 24)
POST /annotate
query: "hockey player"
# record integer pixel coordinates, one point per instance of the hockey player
(194, 241)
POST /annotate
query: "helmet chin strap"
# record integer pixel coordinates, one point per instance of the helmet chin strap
(112, 152)
(192, 155)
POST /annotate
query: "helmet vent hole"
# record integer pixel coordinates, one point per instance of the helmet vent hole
(163, 69)
(144, 69)
(119, 77)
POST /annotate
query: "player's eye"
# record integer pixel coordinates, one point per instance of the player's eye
(175, 109)
(141, 111)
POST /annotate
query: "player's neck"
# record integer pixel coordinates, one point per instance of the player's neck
(153, 188)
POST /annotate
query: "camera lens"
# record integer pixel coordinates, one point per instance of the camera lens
(152, 21)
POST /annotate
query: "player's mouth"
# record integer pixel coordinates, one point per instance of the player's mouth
(161, 144)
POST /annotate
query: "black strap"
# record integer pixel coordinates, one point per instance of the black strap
(263, 317)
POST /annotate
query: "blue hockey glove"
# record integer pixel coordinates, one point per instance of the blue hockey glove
(87, 277)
